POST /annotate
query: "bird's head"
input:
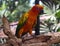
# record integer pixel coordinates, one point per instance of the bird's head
(38, 8)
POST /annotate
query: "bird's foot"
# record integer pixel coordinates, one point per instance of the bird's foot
(34, 36)
(23, 40)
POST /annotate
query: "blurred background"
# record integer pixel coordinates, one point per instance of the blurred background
(13, 10)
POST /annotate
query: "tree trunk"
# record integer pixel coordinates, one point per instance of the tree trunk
(37, 27)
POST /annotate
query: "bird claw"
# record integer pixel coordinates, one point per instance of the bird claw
(34, 36)
(23, 40)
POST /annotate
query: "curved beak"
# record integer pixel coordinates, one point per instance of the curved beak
(42, 12)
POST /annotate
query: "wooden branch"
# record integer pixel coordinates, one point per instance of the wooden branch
(6, 27)
(12, 40)
(43, 40)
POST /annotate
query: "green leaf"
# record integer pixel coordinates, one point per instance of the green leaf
(58, 14)
(58, 30)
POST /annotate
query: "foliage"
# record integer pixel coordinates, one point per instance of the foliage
(57, 14)
(14, 8)
(47, 10)
(52, 4)
(58, 30)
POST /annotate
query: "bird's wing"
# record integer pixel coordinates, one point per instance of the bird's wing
(22, 22)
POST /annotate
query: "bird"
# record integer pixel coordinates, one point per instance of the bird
(28, 20)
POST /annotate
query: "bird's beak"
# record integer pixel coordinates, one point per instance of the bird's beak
(41, 12)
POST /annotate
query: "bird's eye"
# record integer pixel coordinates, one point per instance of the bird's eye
(38, 8)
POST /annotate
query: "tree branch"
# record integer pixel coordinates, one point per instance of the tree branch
(12, 40)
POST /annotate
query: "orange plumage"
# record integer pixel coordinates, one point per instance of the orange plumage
(28, 25)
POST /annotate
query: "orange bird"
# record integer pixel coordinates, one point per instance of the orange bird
(28, 20)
